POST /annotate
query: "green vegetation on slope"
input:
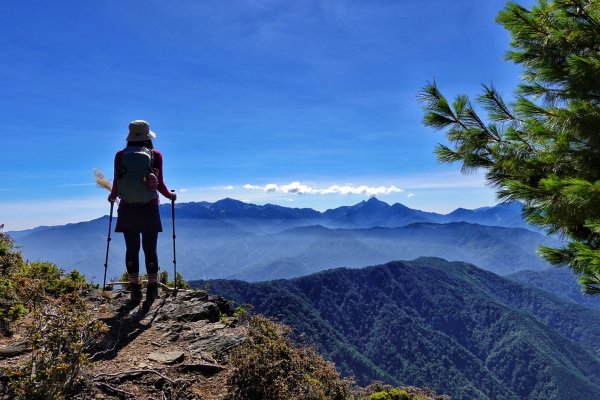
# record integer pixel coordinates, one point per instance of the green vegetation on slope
(268, 365)
(58, 329)
(450, 326)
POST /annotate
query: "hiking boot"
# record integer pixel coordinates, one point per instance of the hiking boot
(135, 297)
(152, 291)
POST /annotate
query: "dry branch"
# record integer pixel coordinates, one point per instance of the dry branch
(105, 387)
(132, 375)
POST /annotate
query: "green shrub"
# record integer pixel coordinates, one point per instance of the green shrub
(181, 284)
(242, 312)
(58, 333)
(392, 394)
(378, 396)
(10, 263)
(59, 328)
(51, 279)
(10, 308)
(269, 366)
(10, 259)
(163, 277)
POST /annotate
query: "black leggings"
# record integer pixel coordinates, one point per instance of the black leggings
(132, 243)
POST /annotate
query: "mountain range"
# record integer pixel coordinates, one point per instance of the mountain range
(366, 214)
(446, 325)
(233, 239)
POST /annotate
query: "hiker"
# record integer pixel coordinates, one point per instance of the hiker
(138, 176)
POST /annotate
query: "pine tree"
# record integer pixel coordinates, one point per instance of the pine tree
(543, 149)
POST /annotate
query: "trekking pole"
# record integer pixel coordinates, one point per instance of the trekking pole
(174, 254)
(112, 204)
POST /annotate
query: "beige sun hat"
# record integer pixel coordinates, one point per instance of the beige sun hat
(139, 131)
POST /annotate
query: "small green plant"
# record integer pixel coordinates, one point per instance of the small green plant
(163, 277)
(123, 278)
(181, 284)
(242, 312)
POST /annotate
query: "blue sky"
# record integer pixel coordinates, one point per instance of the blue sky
(246, 97)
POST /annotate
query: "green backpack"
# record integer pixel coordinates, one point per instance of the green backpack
(132, 175)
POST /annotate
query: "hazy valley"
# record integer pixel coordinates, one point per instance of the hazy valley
(232, 239)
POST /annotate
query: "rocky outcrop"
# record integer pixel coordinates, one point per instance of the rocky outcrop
(175, 347)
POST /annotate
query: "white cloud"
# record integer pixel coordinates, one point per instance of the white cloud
(363, 189)
(299, 188)
(295, 187)
(410, 194)
(183, 190)
(271, 187)
(228, 187)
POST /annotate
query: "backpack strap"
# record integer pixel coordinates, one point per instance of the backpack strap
(120, 170)
(151, 156)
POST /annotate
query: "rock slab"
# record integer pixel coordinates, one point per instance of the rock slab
(169, 357)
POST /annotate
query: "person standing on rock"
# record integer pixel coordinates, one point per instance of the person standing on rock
(138, 178)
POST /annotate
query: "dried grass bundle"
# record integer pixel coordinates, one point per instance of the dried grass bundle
(101, 180)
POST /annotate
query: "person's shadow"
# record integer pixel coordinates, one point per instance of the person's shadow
(127, 324)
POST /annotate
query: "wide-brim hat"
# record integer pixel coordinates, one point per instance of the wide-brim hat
(139, 131)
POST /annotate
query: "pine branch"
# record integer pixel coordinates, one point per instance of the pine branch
(494, 105)
(438, 114)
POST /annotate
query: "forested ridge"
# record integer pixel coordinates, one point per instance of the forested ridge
(450, 326)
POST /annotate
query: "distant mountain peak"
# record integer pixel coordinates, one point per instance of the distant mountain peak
(229, 200)
(375, 200)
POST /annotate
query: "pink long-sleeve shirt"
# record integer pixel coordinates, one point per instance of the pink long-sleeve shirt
(158, 165)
